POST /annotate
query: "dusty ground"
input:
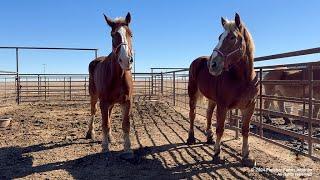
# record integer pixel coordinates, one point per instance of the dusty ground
(47, 141)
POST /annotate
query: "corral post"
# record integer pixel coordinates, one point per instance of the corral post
(85, 87)
(260, 104)
(96, 53)
(38, 85)
(45, 88)
(5, 89)
(70, 88)
(237, 123)
(149, 88)
(48, 85)
(310, 71)
(151, 80)
(17, 78)
(174, 88)
(64, 88)
(161, 83)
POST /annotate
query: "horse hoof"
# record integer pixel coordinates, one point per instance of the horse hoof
(90, 136)
(210, 140)
(287, 121)
(249, 162)
(218, 160)
(268, 121)
(128, 155)
(191, 140)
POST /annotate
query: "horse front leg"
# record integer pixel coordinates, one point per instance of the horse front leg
(91, 133)
(106, 128)
(110, 137)
(209, 133)
(126, 108)
(246, 118)
(221, 117)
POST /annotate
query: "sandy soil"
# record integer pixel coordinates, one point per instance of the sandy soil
(47, 141)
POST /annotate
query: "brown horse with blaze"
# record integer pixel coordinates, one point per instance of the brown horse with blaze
(110, 81)
(227, 78)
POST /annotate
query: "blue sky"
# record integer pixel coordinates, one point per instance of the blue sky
(167, 33)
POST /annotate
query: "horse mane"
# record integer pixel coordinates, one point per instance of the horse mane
(250, 48)
(119, 20)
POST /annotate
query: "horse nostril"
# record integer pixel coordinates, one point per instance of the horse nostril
(131, 60)
(214, 64)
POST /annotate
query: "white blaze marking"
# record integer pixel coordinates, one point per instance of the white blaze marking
(223, 36)
(124, 49)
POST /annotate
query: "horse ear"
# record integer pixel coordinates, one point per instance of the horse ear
(223, 21)
(238, 20)
(109, 21)
(128, 18)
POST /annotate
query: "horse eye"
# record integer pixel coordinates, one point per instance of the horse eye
(233, 37)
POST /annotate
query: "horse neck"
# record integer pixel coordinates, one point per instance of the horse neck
(245, 70)
(117, 71)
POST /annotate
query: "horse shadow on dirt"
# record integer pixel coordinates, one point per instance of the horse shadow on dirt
(149, 162)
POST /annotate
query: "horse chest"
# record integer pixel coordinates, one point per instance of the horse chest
(120, 93)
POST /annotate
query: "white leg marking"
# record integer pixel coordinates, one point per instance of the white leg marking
(245, 147)
(217, 145)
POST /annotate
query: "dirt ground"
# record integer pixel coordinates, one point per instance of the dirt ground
(47, 141)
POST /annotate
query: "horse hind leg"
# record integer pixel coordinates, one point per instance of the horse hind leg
(247, 113)
(193, 97)
(281, 105)
(209, 133)
(221, 117)
(91, 133)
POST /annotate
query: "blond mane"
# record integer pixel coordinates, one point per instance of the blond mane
(231, 26)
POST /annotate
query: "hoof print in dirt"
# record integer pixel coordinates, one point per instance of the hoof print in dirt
(249, 162)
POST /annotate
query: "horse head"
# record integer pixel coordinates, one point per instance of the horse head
(235, 43)
(121, 40)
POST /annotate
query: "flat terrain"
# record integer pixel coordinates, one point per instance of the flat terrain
(47, 141)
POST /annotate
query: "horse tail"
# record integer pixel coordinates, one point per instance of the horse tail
(194, 70)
